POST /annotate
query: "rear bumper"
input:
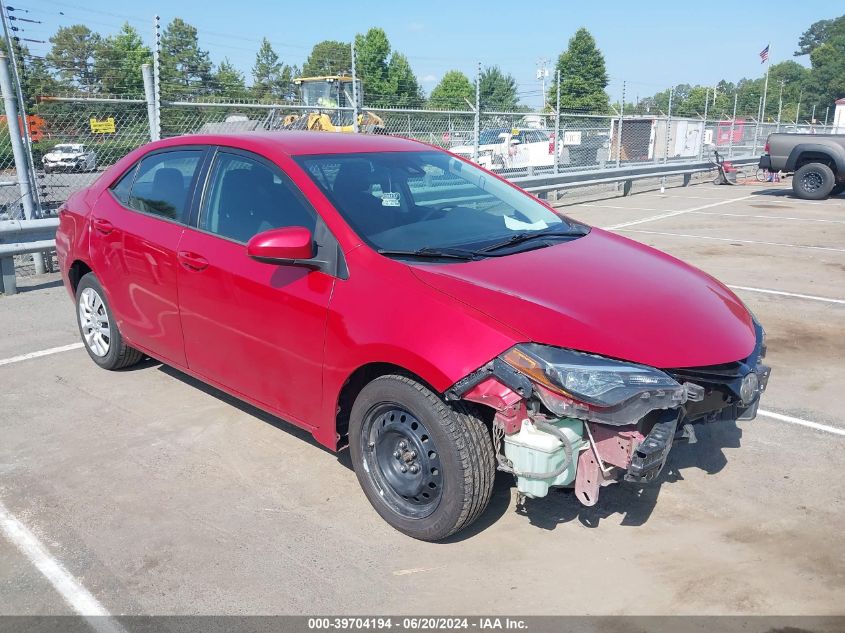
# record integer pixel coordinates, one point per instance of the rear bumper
(765, 162)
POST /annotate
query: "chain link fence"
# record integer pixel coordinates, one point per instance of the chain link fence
(79, 138)
(74, 139)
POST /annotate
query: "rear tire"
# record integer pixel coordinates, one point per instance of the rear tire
(813, 181)
(98, 329)
(445, 449)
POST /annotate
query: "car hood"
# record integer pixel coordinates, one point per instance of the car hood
(61, 155)
(607, 295)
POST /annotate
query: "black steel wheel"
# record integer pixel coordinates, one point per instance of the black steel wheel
(402, 457)
(813, 181)
(426, 466)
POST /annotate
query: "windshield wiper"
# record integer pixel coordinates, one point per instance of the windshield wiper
(431, 253)
(572, 232)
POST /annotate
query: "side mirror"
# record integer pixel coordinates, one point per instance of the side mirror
(282, 246)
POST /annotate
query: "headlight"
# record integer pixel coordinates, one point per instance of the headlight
(592, 387)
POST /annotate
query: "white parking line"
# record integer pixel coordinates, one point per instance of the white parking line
(769, 217)
(808, 423)
(730, 239)
(672, 214)
(43, 352)
(77, 596)
(787, 294)
(611, 206)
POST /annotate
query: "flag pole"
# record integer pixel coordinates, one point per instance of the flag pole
(766, 84)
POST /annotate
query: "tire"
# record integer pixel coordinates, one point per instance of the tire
(837, 189)
(813, 181)
(104, 345)
(450, 447)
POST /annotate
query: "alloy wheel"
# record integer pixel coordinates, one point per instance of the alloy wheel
(812, 181)
(94, 322)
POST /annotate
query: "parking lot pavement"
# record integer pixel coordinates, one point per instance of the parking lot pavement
(160, 495)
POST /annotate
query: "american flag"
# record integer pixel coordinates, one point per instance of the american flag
(764, 55)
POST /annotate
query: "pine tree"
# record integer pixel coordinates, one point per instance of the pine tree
(185, 67)
(583, 76)
(271, 78)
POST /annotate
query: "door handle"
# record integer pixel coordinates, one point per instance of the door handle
(192, 261)
(103, 226)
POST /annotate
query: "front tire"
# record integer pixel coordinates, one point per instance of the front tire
(98, 329)
(813, 181)
(427, 467)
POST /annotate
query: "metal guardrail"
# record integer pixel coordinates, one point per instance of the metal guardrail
(568, 180)
(21, 237)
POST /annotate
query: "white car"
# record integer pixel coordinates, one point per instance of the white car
(69, 157)
(506, 148)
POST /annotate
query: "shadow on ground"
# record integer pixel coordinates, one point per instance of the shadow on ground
(634, 503)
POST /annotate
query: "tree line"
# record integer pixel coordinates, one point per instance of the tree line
(81, 61)
(794, 90)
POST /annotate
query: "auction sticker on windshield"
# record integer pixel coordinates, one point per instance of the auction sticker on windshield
(390, 199)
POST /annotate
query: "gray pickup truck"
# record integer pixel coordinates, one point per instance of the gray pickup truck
(817, 162)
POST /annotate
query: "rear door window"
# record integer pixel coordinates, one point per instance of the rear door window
(163, 183)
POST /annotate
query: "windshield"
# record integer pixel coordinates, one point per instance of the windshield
(491, 137)
(408, 201)
(67, 148)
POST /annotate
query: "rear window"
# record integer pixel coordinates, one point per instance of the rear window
(162, 183)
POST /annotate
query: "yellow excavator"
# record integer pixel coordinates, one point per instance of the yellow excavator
(325, 95)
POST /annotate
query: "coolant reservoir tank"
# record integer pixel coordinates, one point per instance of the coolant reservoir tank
(534, 451)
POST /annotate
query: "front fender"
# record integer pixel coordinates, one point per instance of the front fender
(383, 314)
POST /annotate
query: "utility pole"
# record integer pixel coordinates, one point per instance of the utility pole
(780, 102)
(18, 149)
(149, 95)
(11, 46)
(156, 132)
(477, 125)
(826, 112)
(798, 109)
(704, 124)
(619, 129)
(542, 73)
(558, 141)
(668, 127)
(354, 92)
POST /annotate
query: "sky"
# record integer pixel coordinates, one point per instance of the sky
(649, 45)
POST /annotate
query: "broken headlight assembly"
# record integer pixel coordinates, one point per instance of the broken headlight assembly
(589, 387)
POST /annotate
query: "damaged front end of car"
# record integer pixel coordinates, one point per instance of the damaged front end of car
(565, 418)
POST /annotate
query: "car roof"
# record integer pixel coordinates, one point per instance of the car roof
(295, 143)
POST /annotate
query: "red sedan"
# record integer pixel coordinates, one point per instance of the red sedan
(400, 301)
